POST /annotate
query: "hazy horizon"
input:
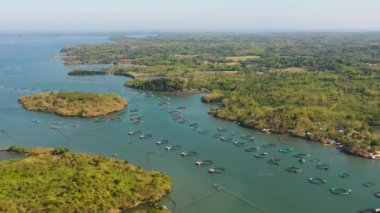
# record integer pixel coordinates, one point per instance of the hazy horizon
(196, 15)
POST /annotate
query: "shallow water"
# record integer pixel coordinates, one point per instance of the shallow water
(251, 184)
(10, 155)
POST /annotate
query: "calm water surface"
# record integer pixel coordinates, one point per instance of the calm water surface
(251, 184)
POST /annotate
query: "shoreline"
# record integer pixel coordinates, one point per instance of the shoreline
(339, 146)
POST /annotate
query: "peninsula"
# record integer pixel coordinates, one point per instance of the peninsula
(56, 180)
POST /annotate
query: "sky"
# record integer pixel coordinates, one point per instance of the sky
(190, 15)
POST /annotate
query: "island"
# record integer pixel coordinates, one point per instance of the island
(74, 103)
(56, 180)
(320, 87)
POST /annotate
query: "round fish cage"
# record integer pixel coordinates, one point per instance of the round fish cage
(323, 166)
(217, 170)
(204, 162)
(252, 149)
(317, 180)
(293, 169)
(274, 161)
(340, 191)
(189, 154)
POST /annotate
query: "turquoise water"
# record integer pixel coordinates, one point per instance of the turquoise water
(27, 66)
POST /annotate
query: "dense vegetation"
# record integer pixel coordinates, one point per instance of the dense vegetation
(83, 72)
(74, 103)
(60, 181)
(321, 86)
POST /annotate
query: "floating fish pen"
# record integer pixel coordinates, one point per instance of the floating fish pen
(204, 163)
(203, 132)
(251, 139)
(217, 170)
(261, 155)
(377, 210)
(135, 132)
(221, 129)
(189, 154)
(227, 140)
(323, 166)
(132, 114)
(181, 108)
(173, 148)
(116, 119)
(301, 155)
(145, 136)
(286, 150)
(99, 120)
(252, 149)
(182, 121)
(57, 122)
(344, 175)
(245, 137)
(36, 121)
(217, 135)
(368, 184)
(193, 125)
(274, 161)
(137, 122)
(302, 160)
(317, 180)
(234, 134)
(271, 145)
(315, 160)
(239, 144)
(377, 194)
(163, 103)
(293, 169)
(162, 142)
(340, 191)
